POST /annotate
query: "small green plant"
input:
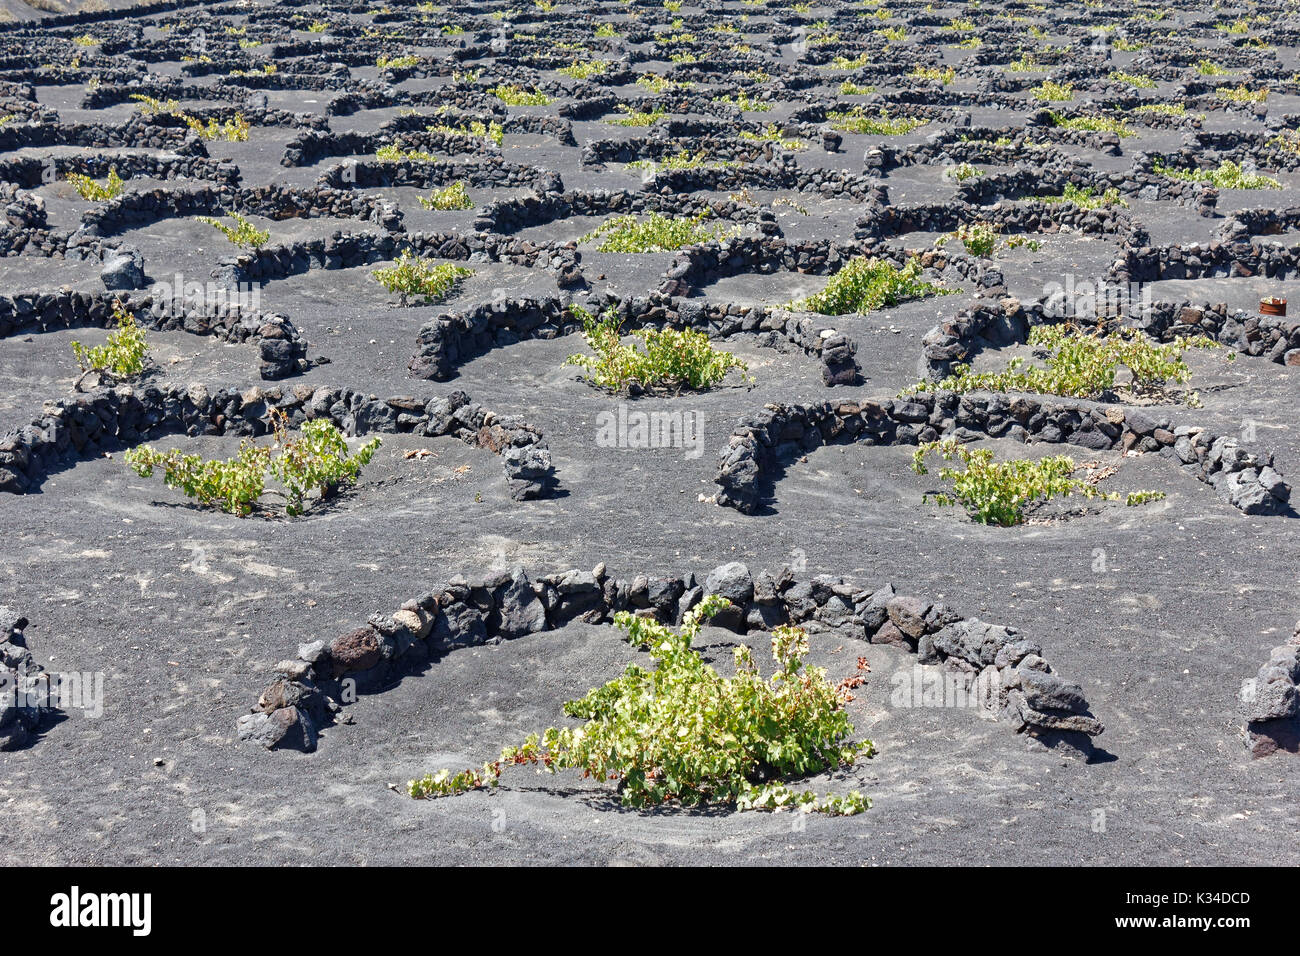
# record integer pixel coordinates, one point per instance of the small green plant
(243, 233)
(962, 172)
(657, 84)
(1049, 91)
(1084, 197)
(606, 30)
(939, 75)
(849, 88)
(1162, 109)
(1093, 124)
(773, 134)
(318, 26)
(88, 188)
(514, 96)
(492, 131)
(1228, 175)
(85, 39)
(639, 117)
(997, 493)
(581, 71)
(1210, 68)
(1026, 64)
(1241, 94)
(857, 121)
(411, 277)
(745, 103)
(893, 34)
(317, 461)
(1133, 79)
(233, 130)
(864, 284)
(448, 198)
(654, 233)
(1084, 365)
(392, 153)
(668, 358)
(979, 238)
(681, 732)
(123, 355)
(397, 62)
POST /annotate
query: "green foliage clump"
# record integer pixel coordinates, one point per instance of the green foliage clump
(123, 354)
(1133, 79)
(1162, 109)
(492, 131)
(316, 461)
(397, 62)
(392, 153)
(773, 134)
(962, 172)
(87, 188)
(1228, 175)
(979, 238)
(655, 233)
(682, 732)
(849, 88)
(998, 492)
(1210, 68)
(1083, 364)
(1093, 124)
(410, 277)
(943, 75)
(234, 130)
(745, 103)
(1084, 197)
(864, 284)
(1241, 94)
(857, 121)
(449, 197)
(674, 358)
(243, 233)
(1050, 91)
(581, 71)
(514, 96)
(639, 117)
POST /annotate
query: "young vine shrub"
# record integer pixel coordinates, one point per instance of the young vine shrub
(673, 358)
(998, 492)
(682, 732)
(88, 188)
(123, 354)
(411, 277)
(864, 284)
(1084, 364)
(317, 460)
(655, 233)
(243, 233)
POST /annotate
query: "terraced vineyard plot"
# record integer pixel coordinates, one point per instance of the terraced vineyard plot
(425, 352)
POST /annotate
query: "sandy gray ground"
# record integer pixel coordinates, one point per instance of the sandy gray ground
(1158, 612)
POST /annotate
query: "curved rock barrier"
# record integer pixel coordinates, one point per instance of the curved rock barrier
(453, 338)
(282, 349)
(138, 208)
(1013, 681)
(766, 441)
(352, 250)
(109, 418)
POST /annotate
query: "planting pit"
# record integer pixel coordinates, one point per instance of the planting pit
(499, 464)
